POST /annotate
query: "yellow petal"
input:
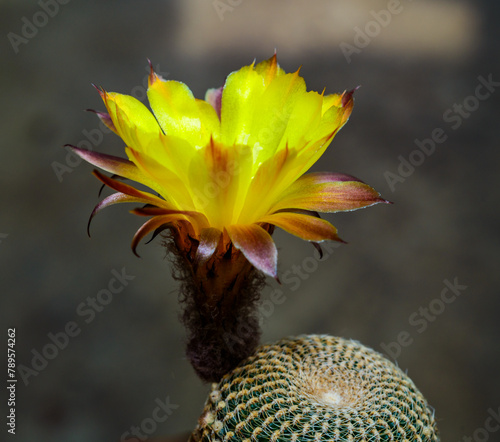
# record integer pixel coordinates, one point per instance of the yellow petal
(331, 100)
(332, 121)
(269, 69)
(266, 186)
(304, 119)
(218, 180)
(270, 124)
(135, 124)
(275, 175)
(179, 113)
(171, 186)
(242, 92)
(210, 122)
(306, 157)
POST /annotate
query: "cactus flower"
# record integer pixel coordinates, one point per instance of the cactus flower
(224, 171)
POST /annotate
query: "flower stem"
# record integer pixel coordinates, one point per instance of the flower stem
(219, 299)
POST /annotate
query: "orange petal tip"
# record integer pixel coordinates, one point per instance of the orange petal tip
(99, 89)
(152, 75)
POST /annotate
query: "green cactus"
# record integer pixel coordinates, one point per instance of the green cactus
(316, 388)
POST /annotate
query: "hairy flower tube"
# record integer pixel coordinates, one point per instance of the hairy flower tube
(223, 173)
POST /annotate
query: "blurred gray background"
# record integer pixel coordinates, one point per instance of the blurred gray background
(419, 72)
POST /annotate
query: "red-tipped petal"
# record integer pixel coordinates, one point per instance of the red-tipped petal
(105, 118)
(257, 246)
(269, 69)
(115, 198)
(132, 191)
(304, 226)
(347, 97)
(152, 76)
(151, 225)
(197, 220)
(209, 239)
(99, 89)
(156, 211)
(214, 98)
(328, 192)
(109, 163)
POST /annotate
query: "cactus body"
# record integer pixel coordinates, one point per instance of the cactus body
(316, 388)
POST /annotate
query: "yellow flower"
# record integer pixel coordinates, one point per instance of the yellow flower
(225, 170)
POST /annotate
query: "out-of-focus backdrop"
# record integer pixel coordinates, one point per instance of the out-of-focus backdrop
(418, 281)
